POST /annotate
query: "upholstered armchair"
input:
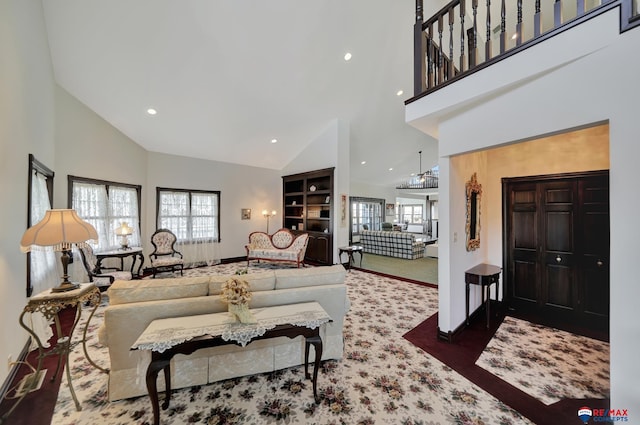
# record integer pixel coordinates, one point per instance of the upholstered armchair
(164, 256)
(102, 277)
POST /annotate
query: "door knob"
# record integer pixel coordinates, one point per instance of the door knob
(558, 259)
(599, 263)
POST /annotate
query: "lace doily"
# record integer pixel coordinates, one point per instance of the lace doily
(166, 333)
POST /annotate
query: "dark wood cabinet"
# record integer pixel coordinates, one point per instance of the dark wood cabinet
(557, 247)
(308, 207)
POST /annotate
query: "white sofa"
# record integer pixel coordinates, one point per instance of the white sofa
(135, 304)
(431, 250)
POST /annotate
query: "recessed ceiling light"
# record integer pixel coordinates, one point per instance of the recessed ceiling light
(274, 140)
(151, 111)
(391, 169)
(347, 56)
(363, 162)
(399, 93)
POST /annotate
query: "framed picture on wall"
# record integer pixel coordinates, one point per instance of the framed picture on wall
(391, 209)
(245, 213)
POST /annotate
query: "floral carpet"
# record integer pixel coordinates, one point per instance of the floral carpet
(382, 379)
(547, 363)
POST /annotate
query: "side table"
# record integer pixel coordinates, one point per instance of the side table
(134, 252)
(350, 250)
(484, 275)
(50, 304)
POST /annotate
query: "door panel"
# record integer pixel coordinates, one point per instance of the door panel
(525, 281)
(557, 247)
(559, 287)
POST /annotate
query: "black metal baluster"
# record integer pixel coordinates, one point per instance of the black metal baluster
(537, 20)
(487, 43)
(580, 7)
(450, 64)
(440, 58)
(519, 24)
(420, 49)
(473, 48)
(557, 14)
(430, 58)
(462, 50)
(503, 27)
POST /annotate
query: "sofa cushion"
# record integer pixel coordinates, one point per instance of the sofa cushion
(131, 291)
(313, 276)
(261, 281)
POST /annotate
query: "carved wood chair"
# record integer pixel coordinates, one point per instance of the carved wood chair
(164, 256)
(102, 277)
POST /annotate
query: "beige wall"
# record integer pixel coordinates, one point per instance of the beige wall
(582, 150)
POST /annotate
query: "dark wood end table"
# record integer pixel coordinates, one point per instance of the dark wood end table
(484, 275)
(350, 250)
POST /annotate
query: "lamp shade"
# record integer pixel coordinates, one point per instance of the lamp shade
(59, 229)
(124, 229)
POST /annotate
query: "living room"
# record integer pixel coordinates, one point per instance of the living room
(41, 118)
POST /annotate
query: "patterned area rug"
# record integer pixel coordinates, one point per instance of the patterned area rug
(547, 363)
(383, 378)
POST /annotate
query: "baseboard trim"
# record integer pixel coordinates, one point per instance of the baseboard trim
(6, 385)
(451, 336)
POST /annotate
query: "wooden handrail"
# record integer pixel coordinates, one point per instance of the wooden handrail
(434, 67)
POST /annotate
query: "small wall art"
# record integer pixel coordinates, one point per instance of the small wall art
(245, 213)
(391, 209)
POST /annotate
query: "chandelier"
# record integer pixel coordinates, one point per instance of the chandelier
(426, 180)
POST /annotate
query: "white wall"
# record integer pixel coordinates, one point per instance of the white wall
(90, 147)
(26, 126)
(240, 186)
(598, 84)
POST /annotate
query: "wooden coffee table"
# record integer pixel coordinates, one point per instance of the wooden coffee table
(209, 332)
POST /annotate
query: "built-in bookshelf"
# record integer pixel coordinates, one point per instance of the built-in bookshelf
(308, 207)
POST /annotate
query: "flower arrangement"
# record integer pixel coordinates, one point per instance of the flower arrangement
(235, 291)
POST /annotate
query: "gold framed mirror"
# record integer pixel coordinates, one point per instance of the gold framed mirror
(474, 194)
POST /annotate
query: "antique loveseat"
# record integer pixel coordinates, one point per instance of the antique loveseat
(281, 246)
(133, 305)
(392, 244)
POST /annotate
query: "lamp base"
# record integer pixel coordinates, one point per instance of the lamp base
(65, 286)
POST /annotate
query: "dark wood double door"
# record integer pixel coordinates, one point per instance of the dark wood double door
(556, 231)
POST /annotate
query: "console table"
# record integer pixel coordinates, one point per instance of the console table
(484, 275)
(184, 335)
(134, 252)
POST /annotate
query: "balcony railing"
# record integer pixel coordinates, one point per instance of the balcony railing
(464, 37)
(426, 180)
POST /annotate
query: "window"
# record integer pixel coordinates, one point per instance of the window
(366, 212)
(193, 215)
(106, 205)
(411, 214)
(42, 270)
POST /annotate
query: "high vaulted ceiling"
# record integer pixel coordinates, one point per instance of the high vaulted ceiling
(226, 77)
